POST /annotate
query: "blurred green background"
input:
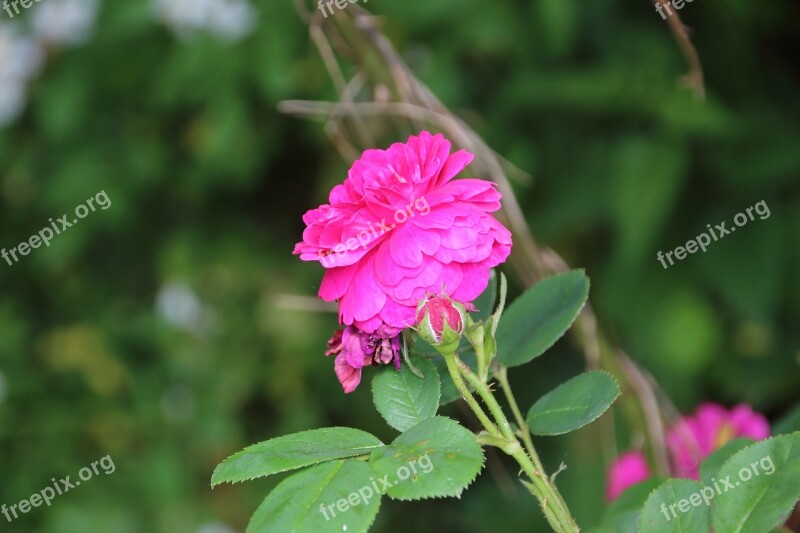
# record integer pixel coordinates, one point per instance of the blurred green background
(166, 332)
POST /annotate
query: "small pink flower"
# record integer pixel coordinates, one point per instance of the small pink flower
(400, 227)
(694, 437)
(628, 469)
(355, 349)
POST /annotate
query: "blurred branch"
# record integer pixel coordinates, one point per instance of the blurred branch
(304, 303)
(401, 104)
(694, 78)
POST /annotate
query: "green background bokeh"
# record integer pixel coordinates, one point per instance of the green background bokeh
(165, 331)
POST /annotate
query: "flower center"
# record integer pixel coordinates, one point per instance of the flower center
(725, 433)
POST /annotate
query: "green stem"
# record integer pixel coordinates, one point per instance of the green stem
(480, 355)
(483, 391)
(452, 367)
(553, 505)
(501, 373)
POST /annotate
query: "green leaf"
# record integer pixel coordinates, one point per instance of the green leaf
(623, 515)
(573, 404)
(402, 398)
(445, 455)
(758, 486)
(675, 506)
(335, 496)
(541, 316)
(294, 451)
(717, 458)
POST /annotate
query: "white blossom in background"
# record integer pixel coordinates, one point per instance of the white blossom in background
(178, 304)
(64, 22)
(21, 59)
(229, 20)
(12, 101)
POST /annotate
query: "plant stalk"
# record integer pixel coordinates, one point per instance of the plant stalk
(553, 505)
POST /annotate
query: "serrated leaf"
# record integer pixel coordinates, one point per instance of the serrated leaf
(540, 316)
(623, 515)
(309, 501)
(446, 456)
(674, 507)
(573, 404)
(717, 458)
(758, 502)
(402, 398)
(294, 451)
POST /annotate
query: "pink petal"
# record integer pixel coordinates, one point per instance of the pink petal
(348, 376)
(629, 469)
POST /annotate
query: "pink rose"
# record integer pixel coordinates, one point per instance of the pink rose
(400, 227)
(689, 442)
(628, 469)
(694, 437)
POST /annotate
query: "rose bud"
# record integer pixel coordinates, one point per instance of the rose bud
(440, 322)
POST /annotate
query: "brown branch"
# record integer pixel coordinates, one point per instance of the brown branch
(694, 78)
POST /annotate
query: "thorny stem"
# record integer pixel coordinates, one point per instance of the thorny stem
(541, 486)
(467, 395)
(501, 373)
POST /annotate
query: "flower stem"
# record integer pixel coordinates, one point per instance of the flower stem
(501, 373)
(452, 367)
(553, 505)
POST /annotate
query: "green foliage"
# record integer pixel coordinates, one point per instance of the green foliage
(404, 399)
(765, 488)
(208, 182)
(717, 458)
(294, 451)
(454, 455)
(294, 505)
(540, 316)
(573, 404)
(657, 517)
(623, 514)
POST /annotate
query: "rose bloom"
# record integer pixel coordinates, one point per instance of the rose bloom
(436, 314)
(689, 442)
(400, 227)
(712, 426)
